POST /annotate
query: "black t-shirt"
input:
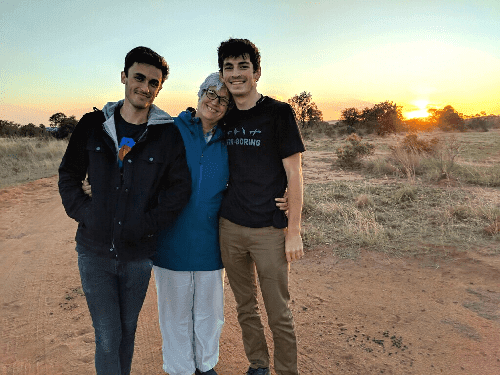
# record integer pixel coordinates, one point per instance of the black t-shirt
(257, 141)
(127, 135)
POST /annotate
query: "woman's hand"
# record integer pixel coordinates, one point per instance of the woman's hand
(282, 203)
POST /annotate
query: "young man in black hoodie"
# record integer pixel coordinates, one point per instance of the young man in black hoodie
(135, 160)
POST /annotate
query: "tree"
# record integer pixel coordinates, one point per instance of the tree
(390, 117)
(306, 111)
(8, 128)
(314, 115)
(447, 119)
(385, 117)
(56, 119)
(350, 116)
(66, 127)
(369, 117)
(31, 130)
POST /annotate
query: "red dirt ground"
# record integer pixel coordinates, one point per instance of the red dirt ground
(373, 315)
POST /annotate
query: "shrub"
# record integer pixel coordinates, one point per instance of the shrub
(407, 163)
(411, 143)
(479, 124)
(406, 156)
(406, 193)
(326, 128)
(307, 134)
(318, 129)
(350, 153)
(364, 200)
(381, 167)
(446, 154)
(461, 212)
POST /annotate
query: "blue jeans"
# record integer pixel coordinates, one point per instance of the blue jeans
(115, 291)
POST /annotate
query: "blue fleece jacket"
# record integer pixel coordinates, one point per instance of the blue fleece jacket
(192, 243)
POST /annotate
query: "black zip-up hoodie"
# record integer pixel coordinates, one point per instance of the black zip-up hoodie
(122, 218)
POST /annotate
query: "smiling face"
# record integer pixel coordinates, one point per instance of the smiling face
(210, 111)
(142, 85)
(239, 76)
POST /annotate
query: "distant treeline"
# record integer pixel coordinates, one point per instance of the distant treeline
(383, 118)
(386, 117)
(61, 126)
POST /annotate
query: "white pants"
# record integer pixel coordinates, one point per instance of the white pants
(191, 312)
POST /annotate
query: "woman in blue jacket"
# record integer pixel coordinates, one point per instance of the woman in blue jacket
(188, 267)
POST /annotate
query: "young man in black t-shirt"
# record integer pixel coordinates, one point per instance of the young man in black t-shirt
(264, 147)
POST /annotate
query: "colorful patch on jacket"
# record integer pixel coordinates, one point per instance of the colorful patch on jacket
(126, 145)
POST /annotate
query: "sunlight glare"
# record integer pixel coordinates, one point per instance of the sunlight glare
(419, 113)
(421, 104)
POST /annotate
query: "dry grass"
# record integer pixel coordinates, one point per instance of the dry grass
(401, 219)
(467, 158)
(428, 202)
(28, 159)
(411, 215)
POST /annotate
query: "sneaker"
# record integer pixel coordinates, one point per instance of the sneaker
(258, 371)
(209, 372)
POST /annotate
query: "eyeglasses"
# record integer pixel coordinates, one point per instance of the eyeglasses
(213, 95)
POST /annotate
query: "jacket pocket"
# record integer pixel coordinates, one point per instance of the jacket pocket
(85, 213)
(150, 169)
(146, 170)
(95, 146)
(212, 212)
(152, 158)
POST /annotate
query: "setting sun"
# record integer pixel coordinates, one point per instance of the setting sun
(420, 112)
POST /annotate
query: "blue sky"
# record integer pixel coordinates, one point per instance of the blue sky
(66, 56)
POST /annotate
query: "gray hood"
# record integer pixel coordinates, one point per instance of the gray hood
(156, 116)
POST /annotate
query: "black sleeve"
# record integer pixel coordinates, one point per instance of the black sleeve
(289, 137)
(73, 170)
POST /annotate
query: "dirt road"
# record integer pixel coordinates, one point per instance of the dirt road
(375, 315)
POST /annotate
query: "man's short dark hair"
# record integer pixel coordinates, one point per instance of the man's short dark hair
(145, 55)
(236, 48)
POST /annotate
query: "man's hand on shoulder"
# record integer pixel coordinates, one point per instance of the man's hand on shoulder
(294, 248)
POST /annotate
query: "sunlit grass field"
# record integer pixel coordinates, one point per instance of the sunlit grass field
(409, 204)
(27, 159)
(398, 218)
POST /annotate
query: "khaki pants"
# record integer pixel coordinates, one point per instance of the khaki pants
(245, 250)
